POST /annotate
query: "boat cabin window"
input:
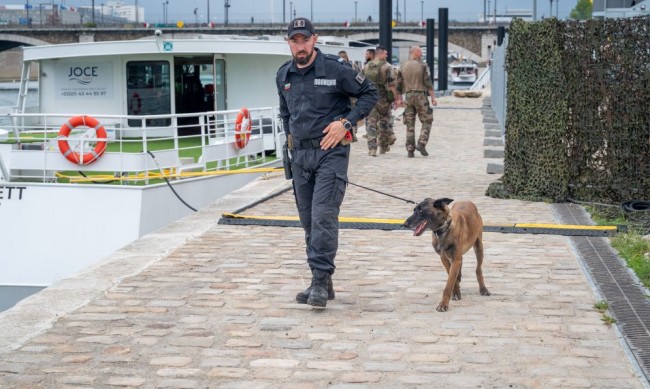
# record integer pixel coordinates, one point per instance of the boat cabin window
(148, 91)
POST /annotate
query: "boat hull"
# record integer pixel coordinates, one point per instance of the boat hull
(56, 230)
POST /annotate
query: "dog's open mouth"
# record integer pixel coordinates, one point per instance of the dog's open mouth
(419, 229)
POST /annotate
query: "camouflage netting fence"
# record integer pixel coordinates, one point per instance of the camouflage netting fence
(578, 111)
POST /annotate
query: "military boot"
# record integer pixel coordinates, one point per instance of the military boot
(372, 152)
(321, 281)
(411, 154)
(384, 149)
(302, 297)
(421, 148)
(392, 139)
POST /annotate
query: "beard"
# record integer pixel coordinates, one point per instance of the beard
(303, 60)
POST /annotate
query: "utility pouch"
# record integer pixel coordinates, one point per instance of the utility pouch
(286, 162)
(390, 97)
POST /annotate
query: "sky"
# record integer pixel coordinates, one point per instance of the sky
(323, 11)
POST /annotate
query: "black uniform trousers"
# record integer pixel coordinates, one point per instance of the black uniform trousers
(319, 182)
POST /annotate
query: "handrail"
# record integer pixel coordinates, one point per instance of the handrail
(210, 140)
(482, 80)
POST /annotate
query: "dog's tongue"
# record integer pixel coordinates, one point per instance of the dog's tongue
(420, 228)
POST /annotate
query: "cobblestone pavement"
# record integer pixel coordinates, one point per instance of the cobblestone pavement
(202, 305)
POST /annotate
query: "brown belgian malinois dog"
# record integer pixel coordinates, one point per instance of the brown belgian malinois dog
(455, 231)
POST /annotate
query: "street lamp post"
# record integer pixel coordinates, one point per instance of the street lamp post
(226, 6)
(311, 14)
(487, 17)
(102, 10)
(422, 13)
(165, 7)
(397, 11)
(290, 8)
(355, 11)
(93, 11)
(484, 12)
(208, 12)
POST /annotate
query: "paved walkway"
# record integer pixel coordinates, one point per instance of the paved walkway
(202, 305)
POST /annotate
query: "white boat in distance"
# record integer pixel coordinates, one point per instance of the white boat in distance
(121, 133)
(463, 72)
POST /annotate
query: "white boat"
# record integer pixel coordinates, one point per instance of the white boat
(463, 72)
(126, 136)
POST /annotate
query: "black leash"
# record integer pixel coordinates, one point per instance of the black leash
(383, 193)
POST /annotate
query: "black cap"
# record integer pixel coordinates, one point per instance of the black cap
(300, 26)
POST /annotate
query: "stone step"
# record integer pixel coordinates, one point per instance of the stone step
(493, 153)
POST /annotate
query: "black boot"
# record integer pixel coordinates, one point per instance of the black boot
(421, 148)
(321, 281)
(301, 297)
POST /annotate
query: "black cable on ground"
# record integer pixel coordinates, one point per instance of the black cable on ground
(263, 199)
(574, 201)
(169, 184)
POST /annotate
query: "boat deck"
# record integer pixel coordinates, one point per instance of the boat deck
(201, 304)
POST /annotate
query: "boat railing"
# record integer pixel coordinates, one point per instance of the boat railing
(482, 80)
(138, 148)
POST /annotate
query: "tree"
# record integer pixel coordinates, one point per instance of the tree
(583, 10)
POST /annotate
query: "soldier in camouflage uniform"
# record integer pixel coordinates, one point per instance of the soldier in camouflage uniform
(415, 81)
(378, 124)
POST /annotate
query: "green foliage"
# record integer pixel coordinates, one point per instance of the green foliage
(608, 320)
(535, 157)
(582, 11)
(602, 306)
(634, 249)
(630, 245)
(577, 125)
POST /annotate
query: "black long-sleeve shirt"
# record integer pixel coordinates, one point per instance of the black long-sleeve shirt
(313, 97)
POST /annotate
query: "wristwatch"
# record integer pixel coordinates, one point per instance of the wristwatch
(347, 124)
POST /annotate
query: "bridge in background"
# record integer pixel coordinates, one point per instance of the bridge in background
(474, 38)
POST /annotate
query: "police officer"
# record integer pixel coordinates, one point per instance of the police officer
(415, 81)
(315, 91)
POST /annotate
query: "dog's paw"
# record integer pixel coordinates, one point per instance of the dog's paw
(456, 296)
(484, 292)
(442, 307)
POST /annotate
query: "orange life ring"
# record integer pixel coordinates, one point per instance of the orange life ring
(242, 128)
(91, 156)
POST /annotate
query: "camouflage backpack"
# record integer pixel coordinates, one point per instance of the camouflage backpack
(372, 71)
(374, 74)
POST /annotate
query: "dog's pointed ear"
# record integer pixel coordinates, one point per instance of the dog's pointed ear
(441, 203)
